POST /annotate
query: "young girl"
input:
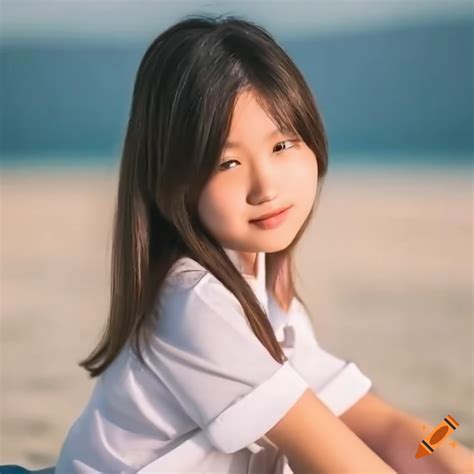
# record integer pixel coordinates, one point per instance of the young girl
(208, 362)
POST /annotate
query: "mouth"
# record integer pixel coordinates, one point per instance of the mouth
(272, 214)
(271, 221)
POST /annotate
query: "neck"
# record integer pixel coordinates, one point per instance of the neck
(246, 262)
(249, 263)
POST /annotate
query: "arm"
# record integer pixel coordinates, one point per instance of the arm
(315, 441)
(394, 435)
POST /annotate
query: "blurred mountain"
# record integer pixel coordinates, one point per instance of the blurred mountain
(407, 88)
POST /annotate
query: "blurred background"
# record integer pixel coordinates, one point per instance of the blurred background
(386, 265)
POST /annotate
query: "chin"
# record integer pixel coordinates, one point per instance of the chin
(277, 246)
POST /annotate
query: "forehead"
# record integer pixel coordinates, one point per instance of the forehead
(271, 134)
(247, 111)
(250, 120)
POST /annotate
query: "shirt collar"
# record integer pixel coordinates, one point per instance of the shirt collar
(278, 319)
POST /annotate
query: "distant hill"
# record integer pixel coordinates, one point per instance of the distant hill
(403, 89)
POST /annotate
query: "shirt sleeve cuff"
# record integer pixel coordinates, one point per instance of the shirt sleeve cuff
(250, 417)
(344, 389)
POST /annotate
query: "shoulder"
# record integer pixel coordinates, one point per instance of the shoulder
(185, 273)
(192, 293)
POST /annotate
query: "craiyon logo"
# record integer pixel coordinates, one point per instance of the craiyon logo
(437, 437)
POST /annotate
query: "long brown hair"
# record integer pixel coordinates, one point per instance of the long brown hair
(185, 89)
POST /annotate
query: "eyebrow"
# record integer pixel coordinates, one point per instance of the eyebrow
(277, 131)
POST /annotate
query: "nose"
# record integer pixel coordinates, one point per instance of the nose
(263, 186)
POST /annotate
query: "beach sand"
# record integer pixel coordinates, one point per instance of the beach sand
(386, 269)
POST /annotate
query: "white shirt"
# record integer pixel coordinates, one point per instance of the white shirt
(213, 390)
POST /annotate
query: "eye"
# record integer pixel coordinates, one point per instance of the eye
(221, 165)
(286, 147)
(283, 143)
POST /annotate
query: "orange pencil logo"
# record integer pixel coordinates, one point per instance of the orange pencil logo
(436, 437)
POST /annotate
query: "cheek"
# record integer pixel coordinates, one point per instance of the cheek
(303, 179)
(218, 206)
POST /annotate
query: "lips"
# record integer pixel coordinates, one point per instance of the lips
(271, 214)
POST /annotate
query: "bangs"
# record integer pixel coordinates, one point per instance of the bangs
(281, 109)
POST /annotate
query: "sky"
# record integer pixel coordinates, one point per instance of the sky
(139, 19)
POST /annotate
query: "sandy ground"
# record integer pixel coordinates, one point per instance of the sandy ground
(386, 269)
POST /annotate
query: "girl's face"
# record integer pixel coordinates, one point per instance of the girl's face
(257, 175)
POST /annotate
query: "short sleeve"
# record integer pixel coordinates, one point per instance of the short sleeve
(206, 354)
(337, 382)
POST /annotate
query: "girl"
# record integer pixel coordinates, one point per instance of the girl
(208, 362)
